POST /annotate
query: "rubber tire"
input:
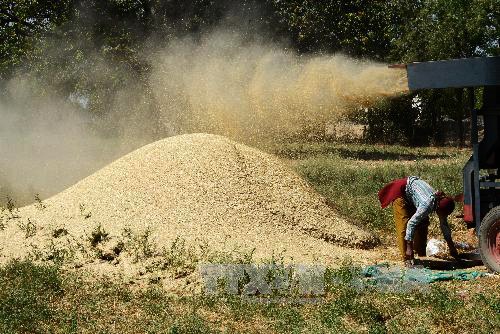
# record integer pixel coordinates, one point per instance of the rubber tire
(489, 259)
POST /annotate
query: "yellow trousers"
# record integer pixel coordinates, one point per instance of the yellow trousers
(402, 213)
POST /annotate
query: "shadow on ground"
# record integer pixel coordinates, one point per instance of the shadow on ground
(377, 155)
(358, 154)
(466, 261)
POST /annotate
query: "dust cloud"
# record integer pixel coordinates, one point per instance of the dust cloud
(221, 83)
(46, 145)
(225, 85)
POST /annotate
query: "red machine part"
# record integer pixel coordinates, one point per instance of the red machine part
(494, 241)
(489, 239)
(468, 215)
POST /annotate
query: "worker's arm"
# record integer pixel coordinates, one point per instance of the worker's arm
(445, 229)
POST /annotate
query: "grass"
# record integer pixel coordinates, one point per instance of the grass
(43, 299)
(351, 175)
(27, 296)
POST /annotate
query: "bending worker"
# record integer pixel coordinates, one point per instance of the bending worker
(413, 200)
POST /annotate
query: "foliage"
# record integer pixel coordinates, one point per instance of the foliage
(96, 48)
(22, 22)
(361, 28)
(444, 29)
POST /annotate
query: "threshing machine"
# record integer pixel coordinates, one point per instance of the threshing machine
(481, 174)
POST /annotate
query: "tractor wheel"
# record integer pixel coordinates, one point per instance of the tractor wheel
(489, 240)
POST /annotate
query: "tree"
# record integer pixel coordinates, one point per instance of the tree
(445, 29)
(23, 21)
(360, 28)
(95, 47)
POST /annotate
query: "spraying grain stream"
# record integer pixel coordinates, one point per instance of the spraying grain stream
(221, 83)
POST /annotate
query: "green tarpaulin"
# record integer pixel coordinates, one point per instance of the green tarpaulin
(384, 273)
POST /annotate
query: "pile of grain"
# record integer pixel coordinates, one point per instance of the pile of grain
(199, 188)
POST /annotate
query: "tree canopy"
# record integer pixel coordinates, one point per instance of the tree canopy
(63, 43)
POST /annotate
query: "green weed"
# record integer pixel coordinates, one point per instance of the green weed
(27, 294)
(140, 245)
(29, 228)
(42, 299)
(97, 236)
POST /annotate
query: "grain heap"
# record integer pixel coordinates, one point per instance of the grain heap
(199, 188)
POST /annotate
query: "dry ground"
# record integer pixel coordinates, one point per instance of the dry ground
(55, 300)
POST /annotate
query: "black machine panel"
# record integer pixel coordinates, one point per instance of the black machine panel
(467, 72)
